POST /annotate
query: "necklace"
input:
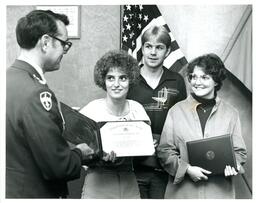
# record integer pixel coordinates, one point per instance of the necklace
(204, 109)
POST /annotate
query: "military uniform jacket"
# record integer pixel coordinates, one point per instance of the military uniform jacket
(38, 159)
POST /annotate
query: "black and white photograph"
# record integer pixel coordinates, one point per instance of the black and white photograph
(127, 100)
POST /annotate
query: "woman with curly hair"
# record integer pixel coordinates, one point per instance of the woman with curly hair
(113, 177)
(202, 115)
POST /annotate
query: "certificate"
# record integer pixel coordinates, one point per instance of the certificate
(127, 138)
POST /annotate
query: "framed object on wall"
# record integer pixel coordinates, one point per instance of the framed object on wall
(73, 13)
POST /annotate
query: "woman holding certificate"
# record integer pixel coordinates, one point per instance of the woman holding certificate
(202, 115)
(113, 177)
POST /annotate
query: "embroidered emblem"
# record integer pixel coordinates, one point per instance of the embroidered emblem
(46, 100)
(210, 155)
(163, 99)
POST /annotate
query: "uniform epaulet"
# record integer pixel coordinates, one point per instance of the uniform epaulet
(43, 82)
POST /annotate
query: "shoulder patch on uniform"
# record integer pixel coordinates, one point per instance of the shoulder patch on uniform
(46, 100)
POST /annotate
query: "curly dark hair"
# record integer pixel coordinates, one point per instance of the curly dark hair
(116, 59)
(212, 65)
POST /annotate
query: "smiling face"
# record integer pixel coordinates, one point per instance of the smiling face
(202, 85)
(154, 53)
(56, 51)
(117, 84)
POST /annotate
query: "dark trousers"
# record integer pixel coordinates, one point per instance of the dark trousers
(152, 184)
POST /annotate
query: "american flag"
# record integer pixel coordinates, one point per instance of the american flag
(138, 18)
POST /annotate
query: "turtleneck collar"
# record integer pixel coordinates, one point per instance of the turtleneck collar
(204, 101)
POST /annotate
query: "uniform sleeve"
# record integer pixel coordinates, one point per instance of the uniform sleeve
(168, 152)
(42, 126)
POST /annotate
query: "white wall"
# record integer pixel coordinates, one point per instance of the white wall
(200, 29)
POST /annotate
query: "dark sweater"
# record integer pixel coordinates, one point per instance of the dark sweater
(204, 109)
(170, 90)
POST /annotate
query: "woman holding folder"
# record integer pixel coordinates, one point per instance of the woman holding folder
(202, 115)
(113, 177)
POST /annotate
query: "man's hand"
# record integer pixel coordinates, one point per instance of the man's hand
(109, 156)
(196, 173)
(87, 152)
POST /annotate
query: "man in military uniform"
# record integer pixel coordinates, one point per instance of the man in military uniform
(39, 161)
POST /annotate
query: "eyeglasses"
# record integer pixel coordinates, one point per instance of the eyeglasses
(65, 44)
(203, 78)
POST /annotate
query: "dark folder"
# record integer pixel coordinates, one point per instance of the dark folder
(212, 154)
(81, 129)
